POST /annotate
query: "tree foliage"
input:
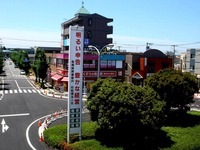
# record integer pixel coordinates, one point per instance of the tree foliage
(40, 66)
(116, 105)
(1, 61)
(174, 87)
(21, 59)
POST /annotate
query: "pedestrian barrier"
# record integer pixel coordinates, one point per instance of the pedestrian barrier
(48, 120)
(41, 139)
(39, 123)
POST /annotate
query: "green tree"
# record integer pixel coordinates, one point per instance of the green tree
(21, 59)
(124, 106)
(1, 61)
(174, 87)
(40, 66)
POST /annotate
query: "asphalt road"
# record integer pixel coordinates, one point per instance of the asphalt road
(20, 105)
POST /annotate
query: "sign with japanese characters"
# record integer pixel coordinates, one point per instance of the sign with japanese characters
(75, 76)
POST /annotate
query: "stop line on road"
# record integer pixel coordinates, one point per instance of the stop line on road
(15, 91)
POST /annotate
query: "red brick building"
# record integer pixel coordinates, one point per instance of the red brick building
(142, 65)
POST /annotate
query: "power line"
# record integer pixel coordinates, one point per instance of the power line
(30, 40)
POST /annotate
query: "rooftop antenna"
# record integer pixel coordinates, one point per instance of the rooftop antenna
(82, 3)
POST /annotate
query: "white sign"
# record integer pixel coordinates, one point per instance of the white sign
(75, 76)
(4, 126)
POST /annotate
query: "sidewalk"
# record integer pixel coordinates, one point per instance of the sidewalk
(52, 92)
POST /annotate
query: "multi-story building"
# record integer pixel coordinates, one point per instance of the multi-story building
(112, 66)
(192, 62)
(96, 29)
(142, 65)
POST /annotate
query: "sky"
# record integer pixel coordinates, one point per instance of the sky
(29, 23)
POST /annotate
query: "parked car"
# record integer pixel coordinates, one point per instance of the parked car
(22, 72)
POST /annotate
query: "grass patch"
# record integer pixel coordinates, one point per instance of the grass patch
(179, 132)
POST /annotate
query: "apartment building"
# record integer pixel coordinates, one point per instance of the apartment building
(96, 29)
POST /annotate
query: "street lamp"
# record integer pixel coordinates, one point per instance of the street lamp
(99, 55)
(198, 77)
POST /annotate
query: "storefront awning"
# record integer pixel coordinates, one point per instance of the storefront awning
(52, 73)
(56, 77)
(65, 79)
(137, 75)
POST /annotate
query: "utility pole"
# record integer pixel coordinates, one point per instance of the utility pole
(173, 59)
(148, 46)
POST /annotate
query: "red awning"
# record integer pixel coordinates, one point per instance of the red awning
(65, 79)
(52, 73)
(56, 77)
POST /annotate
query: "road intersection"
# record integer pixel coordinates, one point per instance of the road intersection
(22, 104)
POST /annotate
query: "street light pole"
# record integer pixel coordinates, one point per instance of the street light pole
(99, 55)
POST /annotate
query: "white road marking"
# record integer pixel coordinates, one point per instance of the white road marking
(15, 91)
(24, 91)
(29, 91)
(15, 115)
(10, 91)
(27, 132)
(17, 84)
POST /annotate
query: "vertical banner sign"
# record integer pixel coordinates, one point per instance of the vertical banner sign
(75, 75)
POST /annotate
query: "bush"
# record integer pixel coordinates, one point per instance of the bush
(56, 137)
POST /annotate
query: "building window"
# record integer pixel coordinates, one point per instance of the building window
(151, 68)
(89, 22)
(192, 67)
(136, 66)
(164, 65)
(192, 56)
(89, 35)
(89, 63)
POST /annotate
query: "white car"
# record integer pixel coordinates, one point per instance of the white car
(22, 72)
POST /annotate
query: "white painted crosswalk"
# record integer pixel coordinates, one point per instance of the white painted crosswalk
(15, 91)
(16, 75)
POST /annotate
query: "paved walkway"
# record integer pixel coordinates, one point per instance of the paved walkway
(52, 92)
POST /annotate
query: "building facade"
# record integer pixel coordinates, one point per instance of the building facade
(112, 66)
(96, 29)
(142, 65)
(192, 61)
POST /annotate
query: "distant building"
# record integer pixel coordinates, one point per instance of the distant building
(192, 61)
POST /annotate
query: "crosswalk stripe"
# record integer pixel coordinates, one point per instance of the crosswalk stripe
(29, 91)
(20, 91)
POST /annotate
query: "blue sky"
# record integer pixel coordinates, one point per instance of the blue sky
(135, 22)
